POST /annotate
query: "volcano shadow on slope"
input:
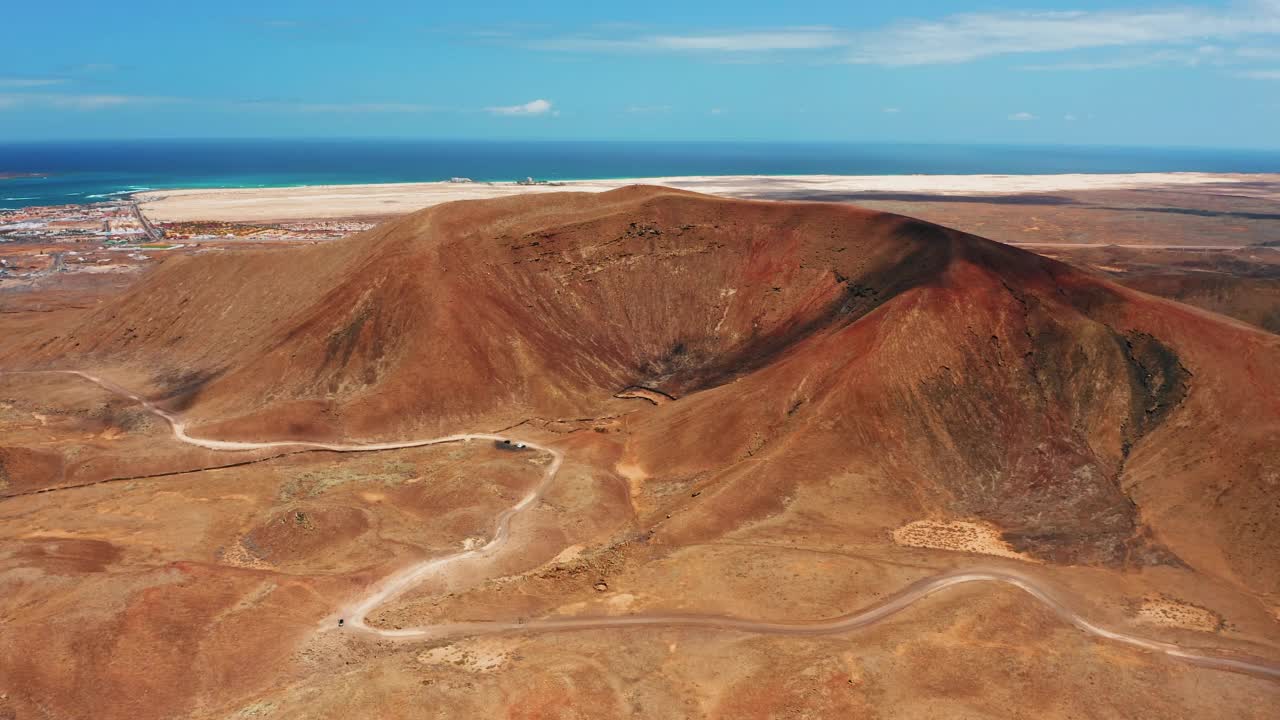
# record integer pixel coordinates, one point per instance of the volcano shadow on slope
(180, 389)
(689, 366)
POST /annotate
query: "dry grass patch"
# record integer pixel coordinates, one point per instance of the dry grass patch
(956, 536)
(481, 655)
(1168, 612)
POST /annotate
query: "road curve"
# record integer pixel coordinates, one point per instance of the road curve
(403, 580)
(892, 605)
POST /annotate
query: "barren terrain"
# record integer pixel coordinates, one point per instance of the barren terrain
(725, 417)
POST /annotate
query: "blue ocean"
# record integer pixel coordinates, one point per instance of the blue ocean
(56, 173)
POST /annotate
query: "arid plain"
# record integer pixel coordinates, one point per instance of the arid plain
(780, 413)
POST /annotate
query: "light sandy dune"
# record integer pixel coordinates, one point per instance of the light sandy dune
(318, 202)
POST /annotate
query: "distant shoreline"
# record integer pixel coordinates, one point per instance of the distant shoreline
(375, 200)
(84, 172)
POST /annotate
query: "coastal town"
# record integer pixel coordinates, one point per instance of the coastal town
(115, 237)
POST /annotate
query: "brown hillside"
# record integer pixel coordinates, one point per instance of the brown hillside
(922, 372)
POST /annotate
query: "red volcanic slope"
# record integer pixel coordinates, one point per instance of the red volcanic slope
(929, 371)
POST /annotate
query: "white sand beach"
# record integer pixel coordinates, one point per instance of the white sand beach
(320, 202)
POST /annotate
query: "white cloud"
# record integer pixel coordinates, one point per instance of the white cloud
(81, 102)
(366, 107)
(1260, 74)
(63, 101)
(1258, 53)
(752, 41)
(892, 110)
(971, 36)
(321, 107)
(95, 102)
(1116, 64)
(533, 107)
(96, 68)
(961, 37)
(801, 38)
(15, 82)
(1022, 116)
(716, 111)
(1069, 118)
(1194, 57)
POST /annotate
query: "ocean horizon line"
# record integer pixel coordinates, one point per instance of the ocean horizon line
(68, 172)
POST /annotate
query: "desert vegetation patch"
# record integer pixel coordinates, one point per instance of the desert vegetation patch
(1170, 612)
(957, 536)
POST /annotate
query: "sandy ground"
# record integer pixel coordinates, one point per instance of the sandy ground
(354, 201)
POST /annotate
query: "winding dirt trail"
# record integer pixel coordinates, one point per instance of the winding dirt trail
(393, 586)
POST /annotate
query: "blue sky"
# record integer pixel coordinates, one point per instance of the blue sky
(1018, 71)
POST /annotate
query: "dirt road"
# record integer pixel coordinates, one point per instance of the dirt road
(389, 588)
